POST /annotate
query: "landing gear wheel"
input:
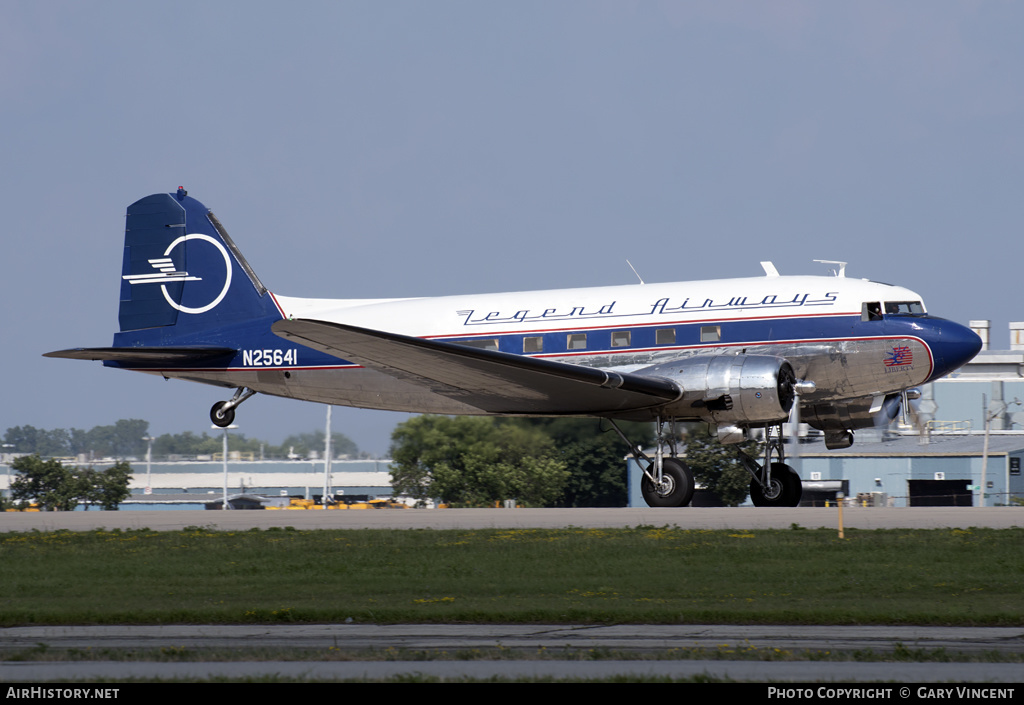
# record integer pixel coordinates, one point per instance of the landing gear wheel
(784, 489)
(676, 489)
(220, 416)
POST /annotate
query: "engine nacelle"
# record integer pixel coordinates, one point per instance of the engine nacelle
(730, 389)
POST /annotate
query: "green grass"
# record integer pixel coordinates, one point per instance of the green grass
(641, 575)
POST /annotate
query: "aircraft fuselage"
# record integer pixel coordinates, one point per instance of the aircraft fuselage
(818, 324)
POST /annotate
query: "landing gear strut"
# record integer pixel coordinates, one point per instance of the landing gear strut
(223, 412)
(667, 482)
(775, 484)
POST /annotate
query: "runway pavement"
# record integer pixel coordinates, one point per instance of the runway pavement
(528, 639)
(441, 637)
(775, 672)
(684, 518)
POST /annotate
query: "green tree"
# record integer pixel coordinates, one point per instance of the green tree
(120, 440)
(302, 443)
(38, 441)
(125, 438)
(472, 461)
(593, 455)
(78, 442)
(56, 487)
(107, 488)
(717, 468)
(52, 485)
(186, 444)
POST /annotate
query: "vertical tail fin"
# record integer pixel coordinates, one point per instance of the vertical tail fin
(182, 273)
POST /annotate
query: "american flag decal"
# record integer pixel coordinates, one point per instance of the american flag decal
(900, 355)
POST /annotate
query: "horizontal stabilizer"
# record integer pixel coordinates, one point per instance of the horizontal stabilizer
(144, 356)
(489, 380)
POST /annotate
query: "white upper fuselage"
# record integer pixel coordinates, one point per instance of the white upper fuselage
(604, 308)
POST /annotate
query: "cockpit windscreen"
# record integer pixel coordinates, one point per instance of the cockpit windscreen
(904, 307)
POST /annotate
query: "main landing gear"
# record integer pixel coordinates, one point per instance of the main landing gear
(667, 481)
(775, 484)
(223, 412)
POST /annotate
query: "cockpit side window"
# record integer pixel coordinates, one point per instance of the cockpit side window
(871, 311)
(904, 307)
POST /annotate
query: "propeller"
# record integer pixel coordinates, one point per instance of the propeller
(898, 405)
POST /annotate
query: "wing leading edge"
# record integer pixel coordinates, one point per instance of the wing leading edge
(494, 382)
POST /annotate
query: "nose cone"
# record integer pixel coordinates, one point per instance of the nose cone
(952, 344)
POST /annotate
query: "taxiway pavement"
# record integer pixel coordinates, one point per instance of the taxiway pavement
(684, 518)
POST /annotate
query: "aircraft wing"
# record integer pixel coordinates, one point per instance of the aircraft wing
(495, 382)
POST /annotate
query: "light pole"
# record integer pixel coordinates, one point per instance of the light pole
(149, 464)
(225, 459)
(997, 409)
(5, 446)
(328, 451)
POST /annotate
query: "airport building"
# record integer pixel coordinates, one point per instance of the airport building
(199, 484)
(965, 433)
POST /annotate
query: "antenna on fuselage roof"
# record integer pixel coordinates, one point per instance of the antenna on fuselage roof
(839, 271)
(635, 272)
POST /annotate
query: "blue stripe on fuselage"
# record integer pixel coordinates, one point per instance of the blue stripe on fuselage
(732, 332)
(261, 349)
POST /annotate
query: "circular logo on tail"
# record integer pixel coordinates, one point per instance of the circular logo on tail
(227, 274)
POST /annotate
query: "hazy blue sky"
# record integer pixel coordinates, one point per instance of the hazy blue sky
(424, 148)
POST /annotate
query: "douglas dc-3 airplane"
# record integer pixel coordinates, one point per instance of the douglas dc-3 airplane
(735, 353)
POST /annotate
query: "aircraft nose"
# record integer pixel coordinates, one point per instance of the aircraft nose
(953, 346)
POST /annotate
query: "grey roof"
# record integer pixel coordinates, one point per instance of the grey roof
(906, 446)
(181, 497)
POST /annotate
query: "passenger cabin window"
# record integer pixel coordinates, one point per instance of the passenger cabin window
(533, 344)
(710, 334)
(480, 343)
(871, 311)
(620, 339)
(904, 307)
(577, 341)
(665, 336)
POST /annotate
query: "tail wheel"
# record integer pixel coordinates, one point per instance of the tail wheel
(675, 489)
(784, 489)
(220, 416)
(223, 412)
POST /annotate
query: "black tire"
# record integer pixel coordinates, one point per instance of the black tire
(785, 491)
(220, 416)
(677, 488)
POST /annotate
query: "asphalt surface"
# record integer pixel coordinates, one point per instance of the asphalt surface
(444, 637)
(528, 639)
(923, 675)
(684, 518)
